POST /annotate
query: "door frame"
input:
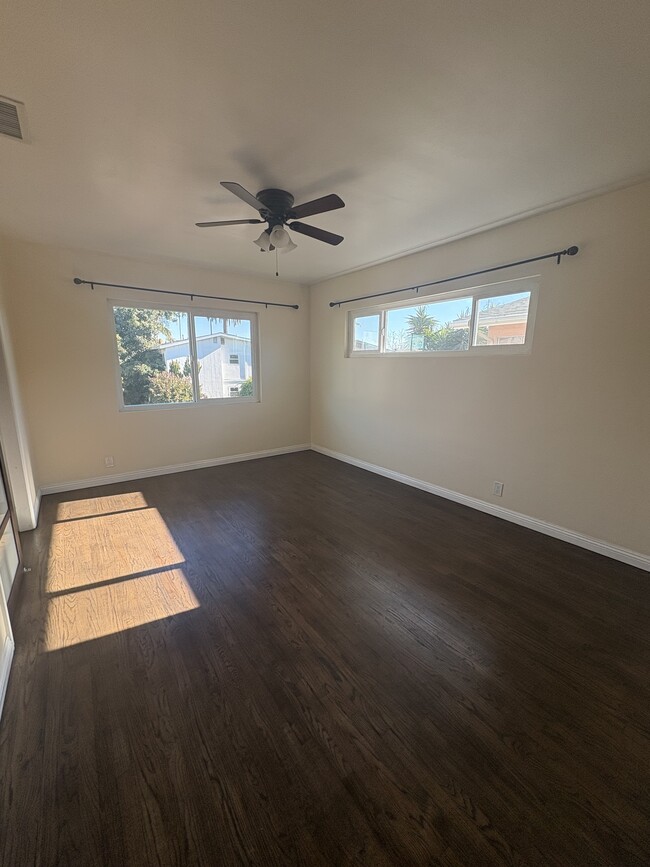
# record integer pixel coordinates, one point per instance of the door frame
(8, 646)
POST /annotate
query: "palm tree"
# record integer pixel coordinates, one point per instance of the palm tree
(213, 320)
(420, 321)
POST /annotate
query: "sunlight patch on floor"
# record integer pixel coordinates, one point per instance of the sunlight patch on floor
(94, 506)
(104, 547)
(112, 565)
(87, 614)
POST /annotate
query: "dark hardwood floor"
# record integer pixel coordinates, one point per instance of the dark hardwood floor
(293, 661)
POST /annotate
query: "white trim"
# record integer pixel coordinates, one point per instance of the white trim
(632, 558)
(206, 401)
(98, 481)
(37, 509)
(6, 656)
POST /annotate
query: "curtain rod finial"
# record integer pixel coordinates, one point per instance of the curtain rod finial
(572, 250)
(78, 281)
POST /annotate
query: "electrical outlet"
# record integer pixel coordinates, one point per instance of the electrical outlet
(497, 489)
(108, 461)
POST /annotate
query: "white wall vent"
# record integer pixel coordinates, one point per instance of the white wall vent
(12, 118)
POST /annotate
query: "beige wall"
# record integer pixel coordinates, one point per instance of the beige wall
(65, 359)
(566, 428)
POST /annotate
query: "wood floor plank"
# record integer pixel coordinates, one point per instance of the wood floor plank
(293, 661)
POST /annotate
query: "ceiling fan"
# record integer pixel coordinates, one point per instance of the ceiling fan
(277, 209)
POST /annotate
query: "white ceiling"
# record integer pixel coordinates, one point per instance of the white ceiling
(429, 118)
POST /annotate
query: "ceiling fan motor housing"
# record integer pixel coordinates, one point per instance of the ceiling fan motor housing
(277, 206)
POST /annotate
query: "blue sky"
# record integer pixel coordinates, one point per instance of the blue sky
(442, 311)
(202, 324)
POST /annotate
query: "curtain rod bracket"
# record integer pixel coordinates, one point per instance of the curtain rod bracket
(570, 251)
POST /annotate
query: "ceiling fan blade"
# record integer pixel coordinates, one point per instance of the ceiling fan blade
(318, 206)
(319, 234)
(227, 223)
(243, 194)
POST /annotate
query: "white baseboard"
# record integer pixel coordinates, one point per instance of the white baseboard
(6, 655)
(632, 558)
(98, 481)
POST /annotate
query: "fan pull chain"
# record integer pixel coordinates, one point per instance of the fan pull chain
(277, 274)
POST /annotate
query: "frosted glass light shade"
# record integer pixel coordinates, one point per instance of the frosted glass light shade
(281, 239)
(264, 241)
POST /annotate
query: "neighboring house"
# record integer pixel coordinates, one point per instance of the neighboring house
(225, 362)
(361, 343)
(499, 323)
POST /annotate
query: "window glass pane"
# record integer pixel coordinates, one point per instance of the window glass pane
(153, 353)
(502, 320)
(434, 327)
(208, 325)
(224, 356)
(366, 333)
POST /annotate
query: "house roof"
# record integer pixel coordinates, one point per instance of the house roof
(235, 337)
(510, 311)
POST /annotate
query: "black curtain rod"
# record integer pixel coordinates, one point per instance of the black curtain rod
(570, 251)
(192, 295)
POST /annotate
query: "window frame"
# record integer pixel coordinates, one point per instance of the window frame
(474, 294)
(191, 312)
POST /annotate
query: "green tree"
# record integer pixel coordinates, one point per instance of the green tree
(446, 337)
(175, 367)
(167, 387)
(420, 321)
(246, 388)
(139, 332)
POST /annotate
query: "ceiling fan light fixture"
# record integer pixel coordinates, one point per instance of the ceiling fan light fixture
(264, 241)
(290, 246)
(280, 238)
